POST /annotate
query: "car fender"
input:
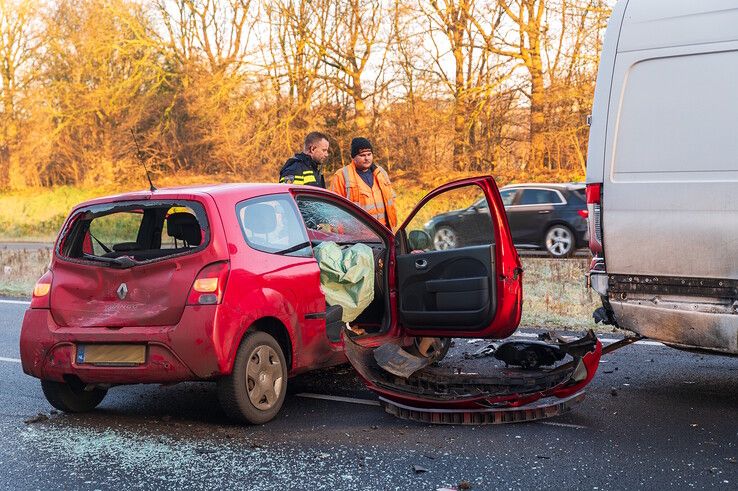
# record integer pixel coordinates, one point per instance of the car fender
(263, 303)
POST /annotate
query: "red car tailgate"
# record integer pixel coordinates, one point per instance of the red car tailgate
(84, 295)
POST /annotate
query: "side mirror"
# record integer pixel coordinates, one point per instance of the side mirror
(419, 240)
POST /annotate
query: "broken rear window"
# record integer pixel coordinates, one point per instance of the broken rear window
(127, 233)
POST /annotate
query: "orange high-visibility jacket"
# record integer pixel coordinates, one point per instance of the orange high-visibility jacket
(378, 201)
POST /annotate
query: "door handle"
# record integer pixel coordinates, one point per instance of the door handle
(421, 264)
(543, 212)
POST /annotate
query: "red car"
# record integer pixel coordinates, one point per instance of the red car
(220, 283)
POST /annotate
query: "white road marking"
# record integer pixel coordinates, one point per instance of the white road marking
(352, 400)
(15, 302)
(10, 360)
(565, 425)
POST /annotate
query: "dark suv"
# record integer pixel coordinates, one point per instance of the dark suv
(552, 217)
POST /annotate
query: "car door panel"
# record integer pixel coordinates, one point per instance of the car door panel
(451, 289)
(472, 290)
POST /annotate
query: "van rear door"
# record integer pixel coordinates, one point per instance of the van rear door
(669, 201)
(129, 263)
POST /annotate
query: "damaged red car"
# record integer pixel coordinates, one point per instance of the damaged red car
(248, 285)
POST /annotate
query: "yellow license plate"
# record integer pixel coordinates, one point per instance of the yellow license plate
(111, 354)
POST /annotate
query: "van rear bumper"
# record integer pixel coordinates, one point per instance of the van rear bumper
(674, 324)
(174, 353)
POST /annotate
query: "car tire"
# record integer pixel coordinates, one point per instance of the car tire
(445, 237)
(72, 398)
(445, 344)
(559, 241)
(254, 391)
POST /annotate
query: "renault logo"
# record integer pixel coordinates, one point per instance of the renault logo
(122, 291)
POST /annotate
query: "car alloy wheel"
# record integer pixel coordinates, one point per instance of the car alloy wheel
(264, 378)
(559, 241)
(445, 238)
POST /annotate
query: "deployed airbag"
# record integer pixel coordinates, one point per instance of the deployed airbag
(346, 276)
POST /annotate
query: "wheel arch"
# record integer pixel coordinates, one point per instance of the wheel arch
(276, 329)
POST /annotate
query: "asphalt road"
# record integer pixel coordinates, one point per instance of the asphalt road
(654, 418)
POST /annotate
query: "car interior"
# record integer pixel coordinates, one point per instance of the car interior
(326, 221)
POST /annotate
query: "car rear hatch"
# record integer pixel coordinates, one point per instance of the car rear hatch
(129, 263)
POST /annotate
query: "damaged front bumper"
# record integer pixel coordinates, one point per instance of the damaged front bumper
(504, 394)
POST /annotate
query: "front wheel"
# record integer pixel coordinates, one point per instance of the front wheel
(559, 241)
(436, 348)
(255, 389)
(72, 398)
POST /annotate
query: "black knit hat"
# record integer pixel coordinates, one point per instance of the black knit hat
(359, 144)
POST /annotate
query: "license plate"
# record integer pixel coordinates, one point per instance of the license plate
(111, 354)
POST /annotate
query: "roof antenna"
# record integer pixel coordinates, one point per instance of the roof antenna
(140, 156)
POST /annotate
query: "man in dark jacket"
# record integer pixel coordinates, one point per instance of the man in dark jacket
(304, 167)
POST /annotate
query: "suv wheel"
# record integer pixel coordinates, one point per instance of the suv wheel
(72, 398)
(559, 241)
(255, 389)
(445, 238)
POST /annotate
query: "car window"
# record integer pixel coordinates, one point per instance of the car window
(449, 221)
(325, 220)
(272, 224)
(508, 196)
(539, 197)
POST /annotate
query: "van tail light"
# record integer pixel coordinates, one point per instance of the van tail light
(594, 212)
(42, 292)
(209, 286)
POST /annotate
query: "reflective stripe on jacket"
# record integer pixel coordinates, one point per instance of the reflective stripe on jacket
(301, 169)
(378, 201)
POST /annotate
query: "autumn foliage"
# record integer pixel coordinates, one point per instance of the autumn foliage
(228, 88)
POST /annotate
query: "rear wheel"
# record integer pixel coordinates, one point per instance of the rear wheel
(255, 389)
(72, 398)
(559, 241)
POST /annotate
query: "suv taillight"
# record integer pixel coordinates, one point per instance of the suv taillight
(594, 210)
(209, 286)
(40, 298)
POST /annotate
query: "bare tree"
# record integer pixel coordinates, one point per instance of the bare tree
(18, 42)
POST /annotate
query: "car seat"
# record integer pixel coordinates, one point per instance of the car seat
(184, 227)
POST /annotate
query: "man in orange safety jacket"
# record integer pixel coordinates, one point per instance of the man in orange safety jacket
(366, 184)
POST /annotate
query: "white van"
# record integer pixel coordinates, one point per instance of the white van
(662, 172)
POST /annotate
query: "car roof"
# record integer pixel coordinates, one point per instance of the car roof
(559, 186)
(244, 191)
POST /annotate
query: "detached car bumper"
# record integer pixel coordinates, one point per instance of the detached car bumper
(177, 353)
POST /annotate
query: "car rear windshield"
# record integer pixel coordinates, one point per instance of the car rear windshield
(127, 233)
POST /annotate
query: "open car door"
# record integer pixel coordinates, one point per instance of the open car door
(458, 273)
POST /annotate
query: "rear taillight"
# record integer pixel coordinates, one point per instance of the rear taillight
(40, 298)
(209, 286)
(594, 212)
(583, 213)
